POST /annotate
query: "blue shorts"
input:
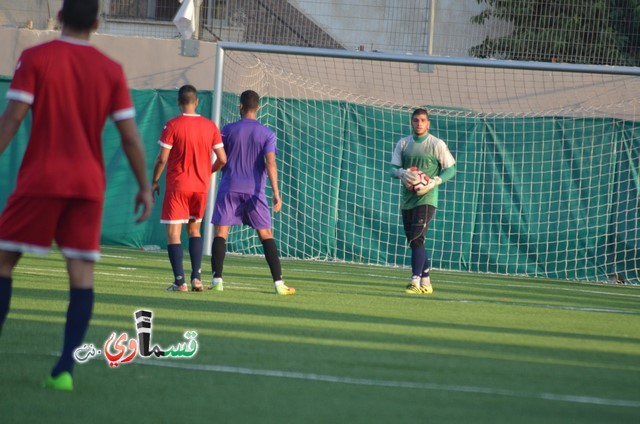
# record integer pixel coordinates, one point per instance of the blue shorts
(240, 208)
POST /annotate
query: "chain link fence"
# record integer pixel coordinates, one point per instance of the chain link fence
(577, 31)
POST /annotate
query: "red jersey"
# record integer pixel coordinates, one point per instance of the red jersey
(191, 139)
(72, 88)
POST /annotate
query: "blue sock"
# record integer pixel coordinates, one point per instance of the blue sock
(175, 257)
(5, 299)
(418, 260)
(78, 317)
(195, 252)
(427, 268)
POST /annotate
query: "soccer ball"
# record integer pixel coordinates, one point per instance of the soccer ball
(424, 180)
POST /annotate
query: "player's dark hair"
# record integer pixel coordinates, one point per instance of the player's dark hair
(420, 111)
(187, 95)
(250, 100)
(79, 14)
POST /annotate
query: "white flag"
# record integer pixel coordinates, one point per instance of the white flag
(185, 19)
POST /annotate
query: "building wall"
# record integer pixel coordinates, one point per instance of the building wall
(401, 25)
(148, 62)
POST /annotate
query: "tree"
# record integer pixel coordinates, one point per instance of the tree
(601, 32)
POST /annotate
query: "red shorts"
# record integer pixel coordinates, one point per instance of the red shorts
(29, 224)
(180, 207)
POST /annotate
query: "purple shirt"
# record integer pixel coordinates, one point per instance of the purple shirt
(246, 142)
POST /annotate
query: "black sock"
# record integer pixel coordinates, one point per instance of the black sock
(218, 249)
(5, 299)
(175, 257)
(195, 252)
(78, 317)
(271, 255)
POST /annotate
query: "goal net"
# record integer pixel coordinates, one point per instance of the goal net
(548, 158)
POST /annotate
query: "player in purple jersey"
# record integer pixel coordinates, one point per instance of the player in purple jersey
(241, 199)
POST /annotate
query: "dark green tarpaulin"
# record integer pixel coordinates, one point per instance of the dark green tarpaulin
(542, 196)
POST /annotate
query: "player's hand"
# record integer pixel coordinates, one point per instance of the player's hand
(277, 203)
(144, 201)
(409, 177)
(155, 189)
(433, 182)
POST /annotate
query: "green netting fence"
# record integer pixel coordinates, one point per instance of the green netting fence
(554, 197)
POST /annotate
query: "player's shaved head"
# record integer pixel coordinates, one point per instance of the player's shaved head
(79, 14)
(187, 95)
(250, 100)
(420, 111)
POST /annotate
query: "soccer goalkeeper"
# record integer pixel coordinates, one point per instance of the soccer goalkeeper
(430, 155)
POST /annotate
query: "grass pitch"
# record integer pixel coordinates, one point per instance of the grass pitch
(349, 347)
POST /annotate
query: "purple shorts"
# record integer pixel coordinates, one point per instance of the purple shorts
(240, 208)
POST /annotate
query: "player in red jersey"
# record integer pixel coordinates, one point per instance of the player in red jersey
(187, 142)
(71, 89)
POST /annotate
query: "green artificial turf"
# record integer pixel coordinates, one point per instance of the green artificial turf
(349, 347)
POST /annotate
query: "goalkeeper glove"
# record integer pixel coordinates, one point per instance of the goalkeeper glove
(433, 182)
(408, 177)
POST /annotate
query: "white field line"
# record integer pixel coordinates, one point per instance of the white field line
(246, 286)
(325, 378)
(531, 286)
(365, 268)
(589, 400)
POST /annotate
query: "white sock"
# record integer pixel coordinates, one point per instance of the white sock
(425, 281)
(217, 281)
(279, 283)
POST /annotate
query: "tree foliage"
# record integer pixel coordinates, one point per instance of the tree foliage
(602, 32)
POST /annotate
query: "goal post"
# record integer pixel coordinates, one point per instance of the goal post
(548, 158)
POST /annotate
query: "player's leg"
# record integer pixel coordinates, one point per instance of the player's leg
(79, 311)
(176, 257)
(197, 206)
(425, 279)
(195, 253)
(416, 222)
(175, 212)
(218, 252)
(407, 222)
(415, 227)
(259, 217)
(78, 236)
(18, 234)
(8, 261)
(226, 213)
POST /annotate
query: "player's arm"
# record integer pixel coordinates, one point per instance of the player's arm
(447, 170)
(272, 173)
(158, 167)
(221, 158)
(134, 150)
(10, 121)
(444, 176)
(447, 173)
(407, 176)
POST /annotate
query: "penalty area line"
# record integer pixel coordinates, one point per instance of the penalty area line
(589, 400)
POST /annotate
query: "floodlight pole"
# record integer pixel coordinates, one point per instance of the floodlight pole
(216, 107)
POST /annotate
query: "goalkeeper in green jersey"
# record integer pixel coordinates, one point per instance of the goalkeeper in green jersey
(420, 151)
